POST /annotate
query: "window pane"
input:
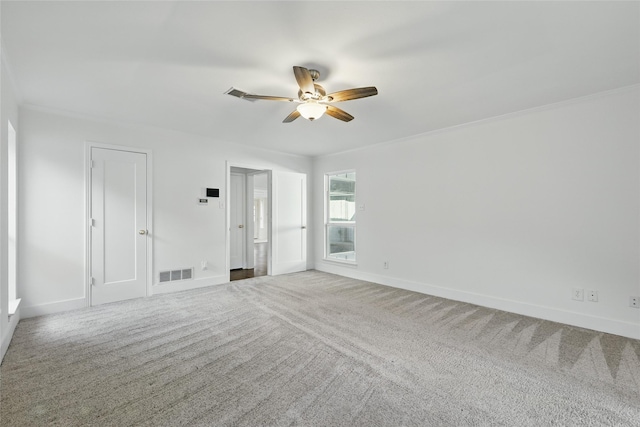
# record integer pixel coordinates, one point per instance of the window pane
(342, 197)
(341, 242)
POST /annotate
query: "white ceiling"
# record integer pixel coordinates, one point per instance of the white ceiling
(435, 64)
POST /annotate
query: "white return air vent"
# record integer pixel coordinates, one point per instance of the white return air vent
(173, 275)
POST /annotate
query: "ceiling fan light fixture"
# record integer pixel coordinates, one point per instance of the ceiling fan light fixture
(311, 110)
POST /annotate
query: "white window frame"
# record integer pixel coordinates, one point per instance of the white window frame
(328, 222)
(12, 218)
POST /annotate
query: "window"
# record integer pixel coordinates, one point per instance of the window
(340, 216)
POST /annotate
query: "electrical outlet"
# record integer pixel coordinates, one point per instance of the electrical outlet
(592, 296)
(577, 294)
(385, 265)
(203, 265)
(634, 302)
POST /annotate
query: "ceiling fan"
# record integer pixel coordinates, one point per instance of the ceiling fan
(312, 98)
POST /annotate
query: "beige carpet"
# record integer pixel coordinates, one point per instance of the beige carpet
(313, 349)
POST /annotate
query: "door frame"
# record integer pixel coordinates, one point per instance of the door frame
(88, 146)
(227, 198)
(240, 210)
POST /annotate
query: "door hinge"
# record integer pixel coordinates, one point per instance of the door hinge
(93, 164)
(92, 281)
(92, 222)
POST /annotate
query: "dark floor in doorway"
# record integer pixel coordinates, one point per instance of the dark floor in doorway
(260, 269)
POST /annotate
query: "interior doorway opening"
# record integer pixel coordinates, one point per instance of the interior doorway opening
(250, 219)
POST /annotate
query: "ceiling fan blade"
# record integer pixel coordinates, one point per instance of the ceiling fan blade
(291, 117)
(249, 97)
(269, 98)
(303, 77)
(339, 114)
(238, 93)
(346, 95)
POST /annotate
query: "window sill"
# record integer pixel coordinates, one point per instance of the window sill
(13, 306)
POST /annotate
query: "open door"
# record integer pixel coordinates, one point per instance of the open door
(289, 226)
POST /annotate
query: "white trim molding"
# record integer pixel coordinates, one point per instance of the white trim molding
(8, 333)
(185, 285)
(611, 326)
(52, 308)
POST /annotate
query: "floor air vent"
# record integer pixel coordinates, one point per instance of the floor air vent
(173, 275)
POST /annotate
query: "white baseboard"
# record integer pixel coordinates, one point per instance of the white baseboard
(54, 307)
(185, 285)
(6, 338)
(611, 326)
(60, 306)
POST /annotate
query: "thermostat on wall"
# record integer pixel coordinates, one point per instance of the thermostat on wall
(213, 192)
(203, 201)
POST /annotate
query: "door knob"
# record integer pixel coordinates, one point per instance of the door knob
(304, 227)
(241, 226)
(142, 231)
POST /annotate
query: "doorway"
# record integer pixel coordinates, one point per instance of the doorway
(285, 219)
(249, 214)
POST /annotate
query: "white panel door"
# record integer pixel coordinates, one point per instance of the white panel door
(236, 222)
(289, 222)
(118, 225)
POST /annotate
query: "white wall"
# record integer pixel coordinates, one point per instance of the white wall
(52, 203)
(509, 213)
(8, 111)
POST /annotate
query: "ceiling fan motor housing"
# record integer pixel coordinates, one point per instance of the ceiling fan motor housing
(319, 94)
(315, 74)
